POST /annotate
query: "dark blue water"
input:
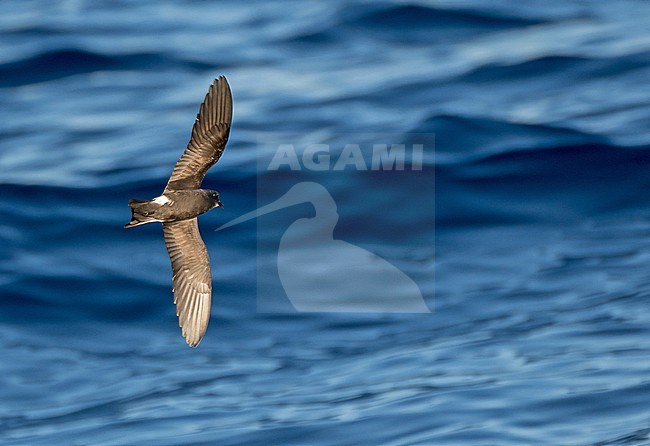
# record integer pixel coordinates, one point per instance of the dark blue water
(532, 250)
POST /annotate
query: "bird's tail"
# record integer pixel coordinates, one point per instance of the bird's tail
(139, 213)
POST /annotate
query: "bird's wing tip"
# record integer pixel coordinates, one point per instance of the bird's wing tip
(221, 78)
(193, 341)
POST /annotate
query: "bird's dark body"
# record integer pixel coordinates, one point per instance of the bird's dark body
(173, 206)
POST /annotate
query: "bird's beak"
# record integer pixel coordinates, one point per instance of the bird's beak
(219, 204)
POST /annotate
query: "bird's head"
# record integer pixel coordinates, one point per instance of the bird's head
(213, 195)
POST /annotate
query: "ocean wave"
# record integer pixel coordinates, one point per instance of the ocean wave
(421, 16)
(541, 185)
(60, 63)
(570, 68)
(459, 139)
(421, 22)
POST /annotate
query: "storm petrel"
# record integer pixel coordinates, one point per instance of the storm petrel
(180, 204)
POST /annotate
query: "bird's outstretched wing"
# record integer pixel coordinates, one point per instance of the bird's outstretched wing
(192, 279)
(209, 138)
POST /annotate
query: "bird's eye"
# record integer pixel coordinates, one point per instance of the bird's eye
(214, 195)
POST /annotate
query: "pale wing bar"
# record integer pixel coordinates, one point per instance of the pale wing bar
(209, 137)
(192, 280)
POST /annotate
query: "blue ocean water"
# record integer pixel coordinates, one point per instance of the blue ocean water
(532, 250)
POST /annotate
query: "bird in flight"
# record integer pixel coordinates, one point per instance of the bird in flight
(179, 205)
